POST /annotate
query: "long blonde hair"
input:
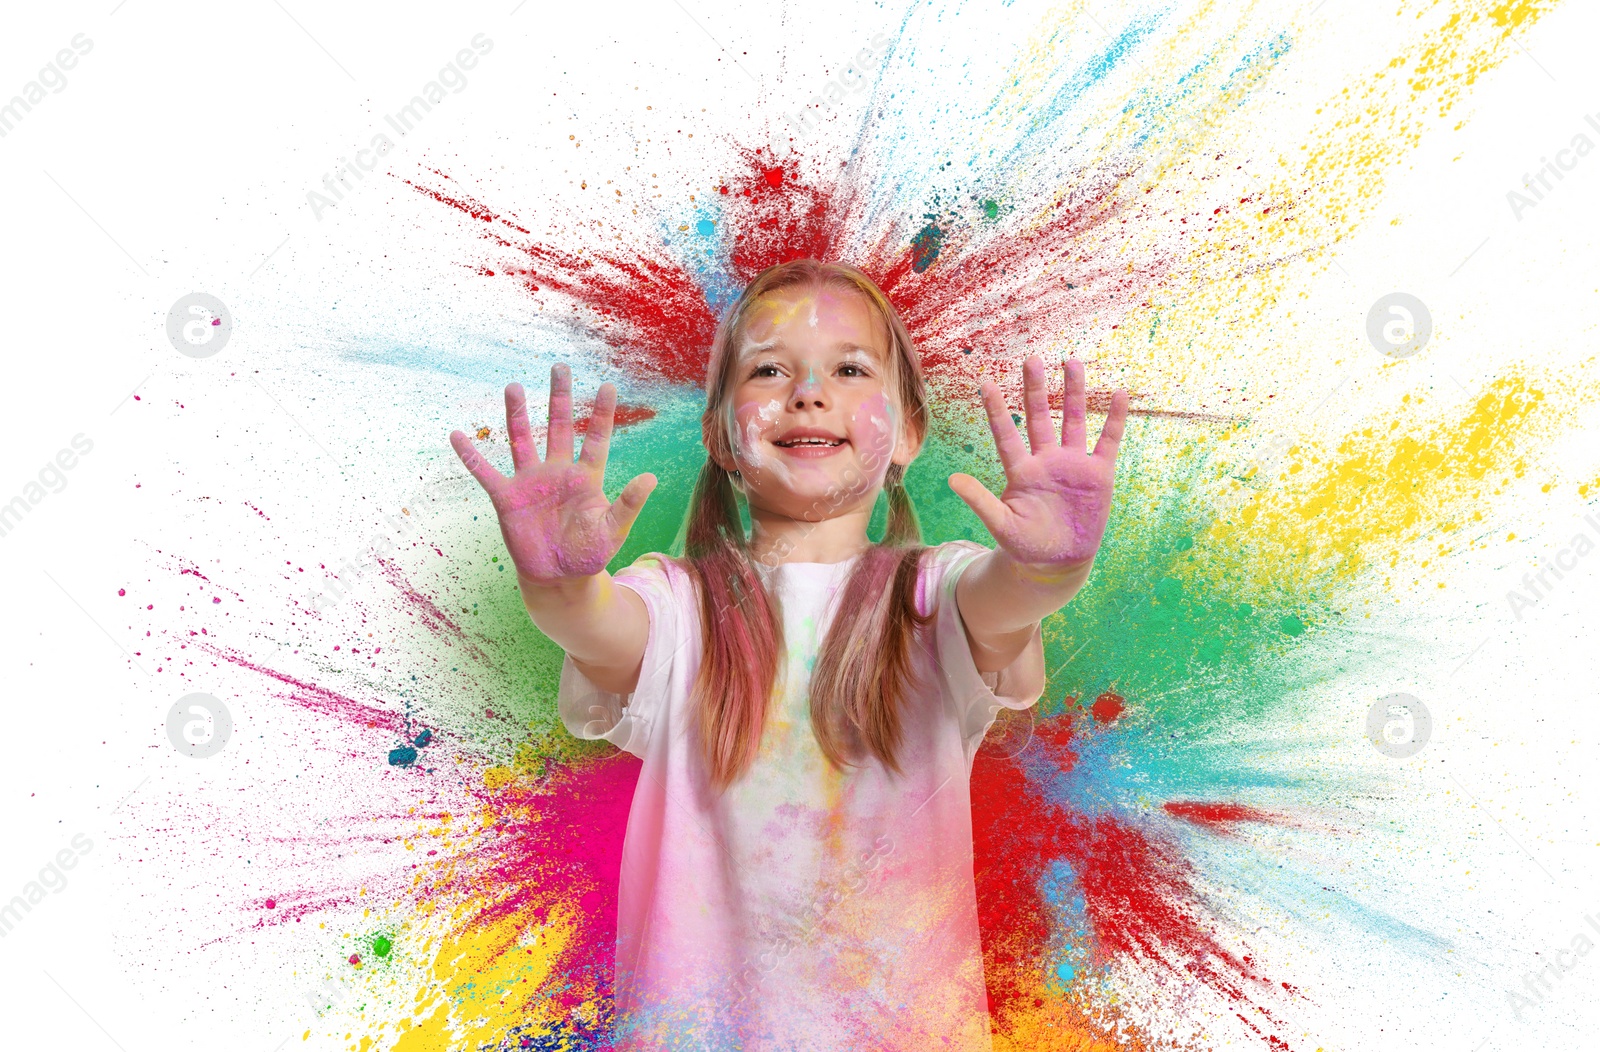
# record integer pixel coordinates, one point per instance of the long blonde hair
(863, 670)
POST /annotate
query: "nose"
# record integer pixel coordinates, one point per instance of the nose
(808, 392)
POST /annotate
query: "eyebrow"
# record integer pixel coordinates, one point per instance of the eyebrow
(774, 345)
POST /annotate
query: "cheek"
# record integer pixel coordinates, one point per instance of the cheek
(750, 422)
(873, 428)
(755, 417)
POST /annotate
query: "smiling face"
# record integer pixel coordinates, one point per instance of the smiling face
(811, 418)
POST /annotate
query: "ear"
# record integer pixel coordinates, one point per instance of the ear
(717, 449)
(907, 447)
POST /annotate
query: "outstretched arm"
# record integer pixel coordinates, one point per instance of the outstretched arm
(1049, 521)
(561, 531)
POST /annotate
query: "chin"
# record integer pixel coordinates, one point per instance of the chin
(819, 494)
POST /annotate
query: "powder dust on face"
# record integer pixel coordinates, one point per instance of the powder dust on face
(812, 360)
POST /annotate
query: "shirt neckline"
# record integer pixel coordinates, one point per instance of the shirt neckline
(841, 562)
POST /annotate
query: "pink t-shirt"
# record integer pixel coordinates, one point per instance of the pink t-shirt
(805, 908)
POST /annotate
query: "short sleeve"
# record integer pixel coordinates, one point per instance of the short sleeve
(976, 697)
(625, 720)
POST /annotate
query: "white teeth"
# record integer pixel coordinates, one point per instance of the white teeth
(812, 442)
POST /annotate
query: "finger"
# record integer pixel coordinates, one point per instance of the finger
(1073, 427)
(597, 439)
(625, 509)
(989, 509)
(523, 455)
(558, 439)
(1111, 433)
(481, 469)
(1007, 439)
(1036, 403)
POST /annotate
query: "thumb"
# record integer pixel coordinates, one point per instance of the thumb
(989, 509)
(626, 507)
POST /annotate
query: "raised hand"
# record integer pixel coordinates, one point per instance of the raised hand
(1053, 512)
(554, 516)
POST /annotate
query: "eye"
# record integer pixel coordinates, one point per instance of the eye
(758, 370)
(858, 370)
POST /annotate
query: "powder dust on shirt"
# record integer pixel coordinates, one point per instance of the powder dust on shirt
(806, 908)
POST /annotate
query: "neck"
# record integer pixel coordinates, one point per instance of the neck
(777, 538)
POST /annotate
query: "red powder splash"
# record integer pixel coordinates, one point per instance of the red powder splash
(988, 292)
(1218, 816)
(465, 204)
(621, 416)
(1107, 707)
(1010, 291)
(1138, 898)
(775, 214)
(1010, 847)
(651, 312)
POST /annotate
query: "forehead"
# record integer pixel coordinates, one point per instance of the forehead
(791, 317)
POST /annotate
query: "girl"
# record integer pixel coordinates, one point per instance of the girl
(797, 867)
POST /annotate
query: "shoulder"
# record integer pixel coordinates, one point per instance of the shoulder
(951, 553)
(941, 568)
(655, 568)
(664, 583)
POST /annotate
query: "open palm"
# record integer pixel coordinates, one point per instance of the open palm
(1057, 499)
(553, 513)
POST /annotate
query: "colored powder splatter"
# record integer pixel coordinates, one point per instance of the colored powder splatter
(1221, 597)
(1215, 815)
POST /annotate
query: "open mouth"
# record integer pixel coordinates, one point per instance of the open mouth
(811, 447)
(794, 443)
